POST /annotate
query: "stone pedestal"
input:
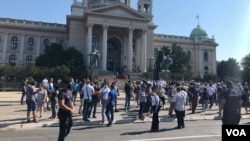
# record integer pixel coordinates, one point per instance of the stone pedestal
(165, 75)
(95, 74)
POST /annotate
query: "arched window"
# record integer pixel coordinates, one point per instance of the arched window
(14, 42)
(28, 59)
(61, 43)
(205, 56)
(206, 70)
(45, 43)
(12, 59)
(156, 52)
(95, 41)
(189, 54)
(30, 44)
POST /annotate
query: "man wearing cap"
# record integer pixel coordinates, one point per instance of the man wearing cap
(231, 105)
(66, 109)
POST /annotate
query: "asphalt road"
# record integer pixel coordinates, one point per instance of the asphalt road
(205, 130)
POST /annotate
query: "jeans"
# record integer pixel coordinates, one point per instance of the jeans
(93, 106)
(205, 104)
(110, 113)
(141, 110)
(65, 124)
(211, 99)
(31, 104)
(180, 118)
(86, 108)
(127, 102)
(155, 121)
(104, 106)
(53, 108)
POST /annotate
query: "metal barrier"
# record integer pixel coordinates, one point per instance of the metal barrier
(10, 86)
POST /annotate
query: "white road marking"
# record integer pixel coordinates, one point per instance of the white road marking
(176, 138)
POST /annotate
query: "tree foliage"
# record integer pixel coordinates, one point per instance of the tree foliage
(55, 57)
(228, 70)
(245, 63)
(181, 62)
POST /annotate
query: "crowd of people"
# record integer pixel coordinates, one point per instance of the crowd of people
(149, 96)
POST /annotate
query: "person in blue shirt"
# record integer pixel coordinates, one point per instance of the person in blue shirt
(110, 105)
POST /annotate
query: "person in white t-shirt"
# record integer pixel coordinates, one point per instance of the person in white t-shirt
(179, 101)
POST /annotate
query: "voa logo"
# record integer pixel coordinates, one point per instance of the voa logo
(236, 132)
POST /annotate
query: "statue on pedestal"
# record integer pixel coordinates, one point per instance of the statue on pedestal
(167, 60)
(94, 59)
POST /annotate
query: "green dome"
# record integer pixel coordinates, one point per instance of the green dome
(198, 32)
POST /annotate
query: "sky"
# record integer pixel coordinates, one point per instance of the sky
(227, 20)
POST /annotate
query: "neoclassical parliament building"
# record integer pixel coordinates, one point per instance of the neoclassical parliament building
(124, 37)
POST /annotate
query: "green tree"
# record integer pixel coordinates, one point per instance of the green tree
(229, 70)
(245, 63)
(181, 62)
(68, 59)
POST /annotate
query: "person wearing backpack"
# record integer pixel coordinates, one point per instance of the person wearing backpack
(205, 99)
(231, 105)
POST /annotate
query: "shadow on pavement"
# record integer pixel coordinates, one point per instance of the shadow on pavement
(147, 131)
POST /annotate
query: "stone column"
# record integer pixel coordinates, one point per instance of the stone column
(89, 45)
(104, 47)
(130, 49)
(144, 51)
(5, 46)
(37, 46)
(85, 3)
(22, 45)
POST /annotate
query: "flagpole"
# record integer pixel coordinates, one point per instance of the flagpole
(197, 17)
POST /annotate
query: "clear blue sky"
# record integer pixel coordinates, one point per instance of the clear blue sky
(227, 20)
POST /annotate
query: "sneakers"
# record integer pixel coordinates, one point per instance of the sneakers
(34, 120)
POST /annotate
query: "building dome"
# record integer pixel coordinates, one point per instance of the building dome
(198, 32)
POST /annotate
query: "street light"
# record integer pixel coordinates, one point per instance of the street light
(94, 58)
(150, 58)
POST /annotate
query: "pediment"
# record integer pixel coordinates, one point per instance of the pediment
(209, 42)
(118, 10)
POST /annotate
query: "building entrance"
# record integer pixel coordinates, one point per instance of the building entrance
(114, 55)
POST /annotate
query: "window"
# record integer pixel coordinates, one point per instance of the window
(189, 54)
(95, 41)
(28, 59)
(61, 43)
(14, 42)
(45, 43)
(30, 44)
(205, 56)
(206, 70)
(156, 52)
(12, 59)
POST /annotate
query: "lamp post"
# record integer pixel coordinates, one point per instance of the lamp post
(150, 58)
(94, 56)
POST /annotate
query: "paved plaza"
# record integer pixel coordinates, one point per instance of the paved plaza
(13, 115)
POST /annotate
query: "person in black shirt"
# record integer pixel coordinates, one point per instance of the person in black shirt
(66, 109)
(24, 85)
(231, 105)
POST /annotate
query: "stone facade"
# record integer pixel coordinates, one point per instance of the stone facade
(124, 37)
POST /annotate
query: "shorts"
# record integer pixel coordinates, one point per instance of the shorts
(31, 105)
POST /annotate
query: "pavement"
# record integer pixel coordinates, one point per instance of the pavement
(13, 115)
